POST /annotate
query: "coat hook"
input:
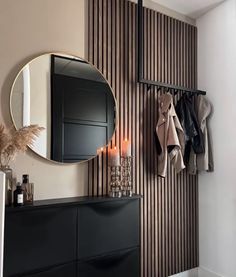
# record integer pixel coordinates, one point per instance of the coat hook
(191, 93)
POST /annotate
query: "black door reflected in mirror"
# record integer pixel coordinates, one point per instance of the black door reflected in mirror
(71, 99)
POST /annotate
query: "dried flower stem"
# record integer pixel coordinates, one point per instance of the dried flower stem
(15, 141)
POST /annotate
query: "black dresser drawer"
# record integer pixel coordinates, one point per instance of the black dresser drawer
(108, 226)
(59, 271)
(120, 264)
(39, 238)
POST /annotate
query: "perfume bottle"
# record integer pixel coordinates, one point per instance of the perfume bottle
(28, 189)
(18, 195)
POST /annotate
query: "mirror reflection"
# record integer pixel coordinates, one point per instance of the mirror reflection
(71, 99)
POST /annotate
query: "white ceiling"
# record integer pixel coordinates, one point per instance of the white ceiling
(190, 8)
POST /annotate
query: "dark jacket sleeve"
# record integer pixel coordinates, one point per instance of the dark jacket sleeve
(197, 138)
(192, 131)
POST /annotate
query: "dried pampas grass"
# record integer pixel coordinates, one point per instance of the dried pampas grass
(16, 141)
(4, 138)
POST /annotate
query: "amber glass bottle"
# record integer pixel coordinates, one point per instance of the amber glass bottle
(18, 195)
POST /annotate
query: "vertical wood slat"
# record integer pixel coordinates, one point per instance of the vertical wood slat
(169, 215)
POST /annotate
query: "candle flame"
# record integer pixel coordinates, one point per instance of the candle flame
(126, 139)
(101, 148)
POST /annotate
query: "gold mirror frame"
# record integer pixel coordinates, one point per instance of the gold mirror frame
(69, 56)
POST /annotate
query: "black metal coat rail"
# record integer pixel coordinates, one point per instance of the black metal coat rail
(166, 86)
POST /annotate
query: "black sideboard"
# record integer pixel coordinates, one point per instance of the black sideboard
(74, 237)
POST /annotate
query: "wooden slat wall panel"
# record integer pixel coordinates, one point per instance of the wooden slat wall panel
(169, 209)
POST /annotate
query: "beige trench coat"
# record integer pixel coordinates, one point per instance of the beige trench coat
(170, 136)
(204, 161)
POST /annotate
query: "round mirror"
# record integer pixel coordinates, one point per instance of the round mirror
(71, 99)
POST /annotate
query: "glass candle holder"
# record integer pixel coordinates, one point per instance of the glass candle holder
(115, 183)
(29, 193)
(127, 187)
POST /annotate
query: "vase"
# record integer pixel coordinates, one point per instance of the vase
(8, 184)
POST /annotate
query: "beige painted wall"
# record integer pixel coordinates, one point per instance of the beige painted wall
(29, 28)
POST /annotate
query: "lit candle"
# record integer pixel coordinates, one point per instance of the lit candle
(100, 151)
(114, 157)
(126, 148)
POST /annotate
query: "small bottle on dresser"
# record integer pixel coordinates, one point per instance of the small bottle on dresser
(18, 195)
(28, 189)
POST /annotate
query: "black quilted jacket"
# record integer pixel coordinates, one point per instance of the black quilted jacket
(189, 122)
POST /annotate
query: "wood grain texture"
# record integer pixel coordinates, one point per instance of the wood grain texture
(169, 209)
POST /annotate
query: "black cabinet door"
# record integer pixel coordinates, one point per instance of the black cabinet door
(36, 239)
(108, 226)
(82, 110)
(122, 264)
(59, 271)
